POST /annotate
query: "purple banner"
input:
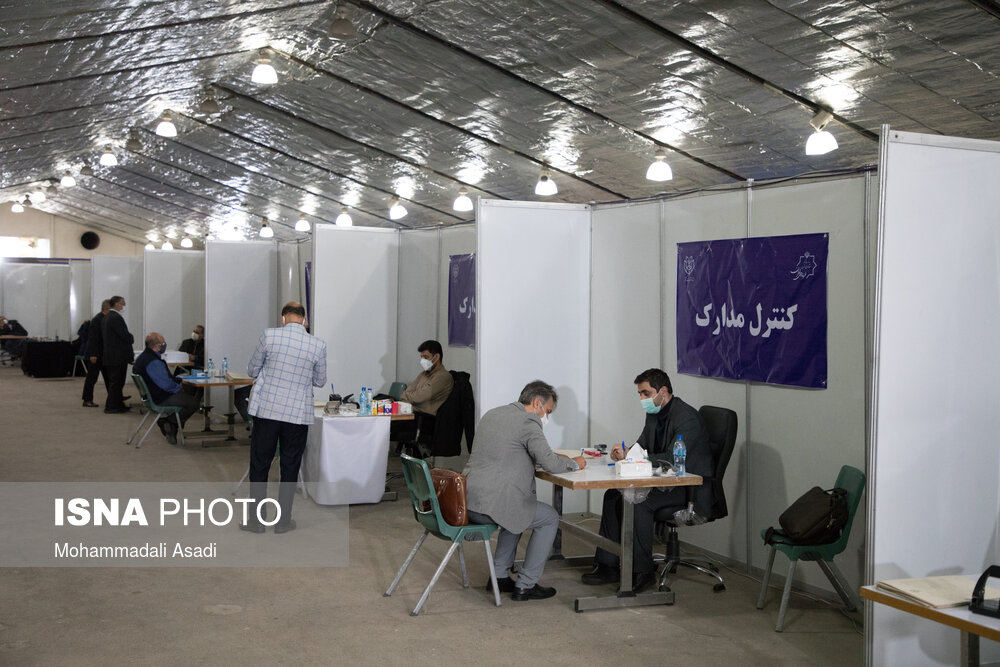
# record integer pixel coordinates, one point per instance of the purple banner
(462, 300)
(754, 309)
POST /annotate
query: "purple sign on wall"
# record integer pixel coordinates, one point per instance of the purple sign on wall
(754, 309)
(462, 300)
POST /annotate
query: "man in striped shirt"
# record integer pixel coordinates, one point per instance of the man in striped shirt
(287, 364)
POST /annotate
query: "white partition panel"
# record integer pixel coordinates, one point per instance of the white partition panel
(37, 296)
(79, 293)
(174, 294)
(934, 461)
(354, 305)
(119, 276)
(241, 299)
(533, 312)
(419, 268)
(288, 273)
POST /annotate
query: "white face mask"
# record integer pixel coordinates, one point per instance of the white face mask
(426, 364)
(194, 335)
(545, 420)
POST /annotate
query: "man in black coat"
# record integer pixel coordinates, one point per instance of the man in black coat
(95, 354)
(117, 354)
(667, 416)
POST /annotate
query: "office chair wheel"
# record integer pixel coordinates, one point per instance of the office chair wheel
(718, 588)
(663, 588)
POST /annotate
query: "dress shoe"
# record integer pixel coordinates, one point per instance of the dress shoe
(641, 580)
(125, 398)
(536, 592)
(284, 526)
(506, 585)
(89, 404)
(601, 574)
(115, 411)
(252, 527)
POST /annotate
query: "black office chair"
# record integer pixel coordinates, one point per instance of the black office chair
(721, 424)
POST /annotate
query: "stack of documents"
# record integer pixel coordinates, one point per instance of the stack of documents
(937, 592)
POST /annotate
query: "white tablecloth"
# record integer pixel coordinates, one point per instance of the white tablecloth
(345, 459)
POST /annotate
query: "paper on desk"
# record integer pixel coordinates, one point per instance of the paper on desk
(636, 453)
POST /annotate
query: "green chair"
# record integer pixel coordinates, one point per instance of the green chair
(396, 390)
(79, 360)
(155, 410)
(853, 481)
(428, 514)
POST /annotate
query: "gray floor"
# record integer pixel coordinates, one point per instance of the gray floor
(171, 616)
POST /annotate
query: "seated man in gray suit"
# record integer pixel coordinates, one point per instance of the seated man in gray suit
(501, 486)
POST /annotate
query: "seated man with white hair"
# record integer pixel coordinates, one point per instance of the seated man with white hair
(162, 387)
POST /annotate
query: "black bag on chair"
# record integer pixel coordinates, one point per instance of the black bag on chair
(817, 517)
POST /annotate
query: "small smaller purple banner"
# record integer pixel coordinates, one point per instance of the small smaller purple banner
(754, 309)
(462, 300)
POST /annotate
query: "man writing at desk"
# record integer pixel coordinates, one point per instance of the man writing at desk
(667, 416)
(501, 486)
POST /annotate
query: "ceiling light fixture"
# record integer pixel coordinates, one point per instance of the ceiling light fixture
(150, 246)
(396, 209)
(462, 201)
(67, 181)
(167, 245)
(265, 230)
(821, 142)
(186, 242)
(302, 225)
(263, 72)
(659, 170)
(342, 29)
(166, 127)
(108, 158)
(36, 197)
(545, 186)
(344, 219)
(17, 207)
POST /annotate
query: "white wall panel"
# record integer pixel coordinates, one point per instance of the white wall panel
(174, 293)
(119, 276)
(354, 303)
(419, 268)
(241, 299)
(80, 275)
(533, 313)
(288, 274)
(935, 461)
(37, 296)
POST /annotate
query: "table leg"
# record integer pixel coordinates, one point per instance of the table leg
(205, 410)
(628, 529)
(230, 416)
(970, 649)
(557, 503)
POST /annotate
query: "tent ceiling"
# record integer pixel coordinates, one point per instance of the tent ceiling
(436, 95)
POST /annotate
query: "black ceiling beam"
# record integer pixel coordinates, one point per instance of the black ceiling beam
(409, 27)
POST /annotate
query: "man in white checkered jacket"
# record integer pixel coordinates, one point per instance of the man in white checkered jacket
(287, 364)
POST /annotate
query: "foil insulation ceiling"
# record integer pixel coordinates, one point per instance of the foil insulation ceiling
(432, 96)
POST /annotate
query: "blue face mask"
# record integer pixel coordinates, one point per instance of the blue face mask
(650, 407)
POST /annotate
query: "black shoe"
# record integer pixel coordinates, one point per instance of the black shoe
(89, 404)
(536, 592)
(252, 527)
(506, 585)
(641, 580)
(284, 526)
(125, 398)
(601, 574)
(171, 438)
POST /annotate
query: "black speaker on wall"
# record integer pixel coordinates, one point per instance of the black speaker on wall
(90, 240)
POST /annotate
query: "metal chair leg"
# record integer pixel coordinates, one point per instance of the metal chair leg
(236, 489)
(406, 563)
(461, 560)
(766, 580)
(839, 583)
(143, 439)
(141, 422)
(785, 595)
(180, 427)
(493, 571)
(434, 579)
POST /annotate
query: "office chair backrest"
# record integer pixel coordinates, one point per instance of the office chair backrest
(721, 424)
(140, 384)
(396, 390)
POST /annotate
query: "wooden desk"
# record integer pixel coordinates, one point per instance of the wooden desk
(972, 626)
(598, 475)
(230, 416)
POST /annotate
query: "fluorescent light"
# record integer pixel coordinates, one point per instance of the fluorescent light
(302, 225)
(150, 246)
(545, 186)
(167, 245)
(166, 128)
(36, 197)
(108, 158)
(344, 219)
(659, 170)
(462, 201)
(396, 209)
(17, 207)
(186, 242)
(67, 181)
(341, 28)
(820, 142)
(263, 73)
(265, 230)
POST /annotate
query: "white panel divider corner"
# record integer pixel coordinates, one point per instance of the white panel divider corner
(174, 291)
(533, 313)
(119, 276)
(420, 263)
(934, 460)
(355, 288)
(80, 276)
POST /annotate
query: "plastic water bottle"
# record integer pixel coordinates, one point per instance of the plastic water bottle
(225, 367)
(210, 368)
(363, 401)
(680, 455)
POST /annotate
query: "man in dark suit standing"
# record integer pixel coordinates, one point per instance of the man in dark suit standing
(117, 354)
(95, 355)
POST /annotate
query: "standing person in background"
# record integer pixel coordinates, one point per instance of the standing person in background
(287, 364)
(94, 353)
(117, 354)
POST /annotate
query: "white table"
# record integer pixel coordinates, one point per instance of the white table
(346, 459)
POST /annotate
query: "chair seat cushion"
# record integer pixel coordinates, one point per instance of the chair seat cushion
(666, 514)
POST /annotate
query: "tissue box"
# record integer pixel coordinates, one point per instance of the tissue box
(405, 408)
(629, 468)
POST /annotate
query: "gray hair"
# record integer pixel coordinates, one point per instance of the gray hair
(538, 389)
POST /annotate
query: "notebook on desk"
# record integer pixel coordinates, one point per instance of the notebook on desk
(937, 592)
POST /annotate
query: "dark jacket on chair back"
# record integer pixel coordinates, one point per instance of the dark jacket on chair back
(117, 340)
(457, 415)
(140, 367)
